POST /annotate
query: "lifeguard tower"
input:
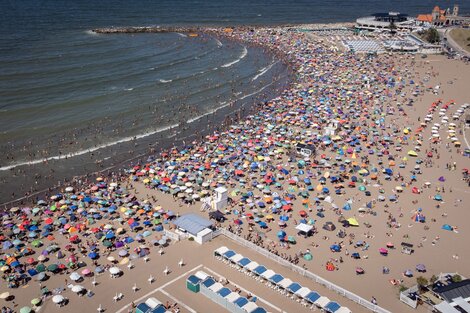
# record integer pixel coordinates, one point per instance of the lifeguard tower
(220, 199)
(331, 128)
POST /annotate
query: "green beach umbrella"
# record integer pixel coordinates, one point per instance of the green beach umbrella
(291, 239)
(107, 243)
(308, 257)
(35, 301)
(25, 309)
(40, 268)
(36, 243)
(362, 188)
(52, 268)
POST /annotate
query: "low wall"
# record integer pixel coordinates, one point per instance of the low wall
(345, 293)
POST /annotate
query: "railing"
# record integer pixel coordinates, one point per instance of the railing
(345, 293)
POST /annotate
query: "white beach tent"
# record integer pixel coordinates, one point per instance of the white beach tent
(216, 287)
(237, 257)
(322, 301)
(304, 227)
(286, 282)
(251, 266)
(232, 297)
(152, 302)
(268, 274)
(201, 275)
(250, 307)
(221, 250)
(302, 292)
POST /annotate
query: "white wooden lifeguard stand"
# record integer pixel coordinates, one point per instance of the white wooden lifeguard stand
(220, 199)
(330, 129)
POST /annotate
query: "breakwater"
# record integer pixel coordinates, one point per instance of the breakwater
(146, 29)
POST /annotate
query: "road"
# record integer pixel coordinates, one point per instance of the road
(451, 42)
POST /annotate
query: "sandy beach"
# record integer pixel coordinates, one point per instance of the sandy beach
(391, 170)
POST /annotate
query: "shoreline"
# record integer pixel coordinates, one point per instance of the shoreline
(223, 114)
(375, 182)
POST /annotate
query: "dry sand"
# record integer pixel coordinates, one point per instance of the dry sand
(437, 257)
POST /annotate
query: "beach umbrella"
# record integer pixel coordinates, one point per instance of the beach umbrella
(352, 221)
(421, 267)
(335, 248)
(86, 271)
(114, 270)
(77, 288)
(308, 257)
(447, 227)
(383, 251)
(281, 234)
(52, 267)
(75, 276)
(36, 301)
(41, 268)
(58, 299)
(25, 309)
(93, 255)
(41, 276)
(4, 295)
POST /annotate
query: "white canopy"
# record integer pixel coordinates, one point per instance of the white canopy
(237, 257)
(249, 307)
(304, 227)
(231, 297)
(152, 302)
(216, 287)
(286, 282)
(302, 292)
(252, 265)
(221, 250)
(322, 301)
(201, 275)
(268, 274)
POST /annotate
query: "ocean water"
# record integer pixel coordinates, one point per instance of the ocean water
(102, 99)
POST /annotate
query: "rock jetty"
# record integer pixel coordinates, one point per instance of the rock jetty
(145, 29)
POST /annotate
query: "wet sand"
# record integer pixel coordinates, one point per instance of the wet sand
(440, 250)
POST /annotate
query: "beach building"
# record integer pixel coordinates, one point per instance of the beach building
(386, 22)
(195, 226)
(440, 17)
(456, 297)
(445, 295)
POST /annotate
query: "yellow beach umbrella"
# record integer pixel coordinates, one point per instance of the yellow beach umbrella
(352, 221)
